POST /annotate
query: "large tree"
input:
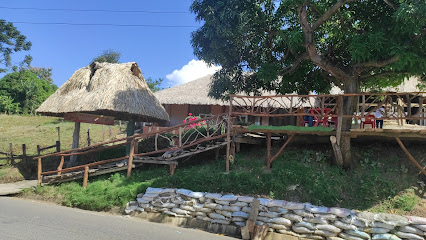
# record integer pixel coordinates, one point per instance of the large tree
(11, 40)
(308, 45)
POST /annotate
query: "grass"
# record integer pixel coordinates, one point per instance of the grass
(297, 175)
(10, 174)
(40, 130)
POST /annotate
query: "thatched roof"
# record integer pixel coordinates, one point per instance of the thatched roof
(194, 93)
(108, 89)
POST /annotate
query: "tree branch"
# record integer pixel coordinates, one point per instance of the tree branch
(377, 63)
(296, 63)
(390, 4)
(329, 13)
(385, 73)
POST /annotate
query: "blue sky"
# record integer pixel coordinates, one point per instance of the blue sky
(160, 51)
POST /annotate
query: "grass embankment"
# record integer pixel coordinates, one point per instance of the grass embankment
(378, 183)
(41, 130)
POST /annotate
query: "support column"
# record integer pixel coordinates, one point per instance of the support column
(75, 143)
(130, 130)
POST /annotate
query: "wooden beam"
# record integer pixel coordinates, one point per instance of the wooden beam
(420, 167)
(282, 148)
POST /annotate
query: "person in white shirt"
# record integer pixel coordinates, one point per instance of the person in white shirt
(379, 114)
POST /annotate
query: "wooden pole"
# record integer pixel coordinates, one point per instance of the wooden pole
(156, 142)
(337, 151)
(86, 176)
(130, 162)
(228, 135)
(88, 136)
(180, 136)
(75, 142)
(130, 132)
(12, 160)
(268, 150)
(412, 159)
(59, 133)
(339, 119)
(58, 146)
(282, 148)
(24, 157)
(38, 150)
(61, 164)
(38, 171)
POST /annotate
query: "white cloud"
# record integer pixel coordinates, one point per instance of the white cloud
(193, 70)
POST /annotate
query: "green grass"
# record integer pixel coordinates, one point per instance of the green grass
(10, 174)
(297, 175)
(40, 130)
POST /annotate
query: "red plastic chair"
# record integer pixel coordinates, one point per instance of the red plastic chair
(370, 119)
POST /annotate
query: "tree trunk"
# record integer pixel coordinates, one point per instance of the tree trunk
(349, 108)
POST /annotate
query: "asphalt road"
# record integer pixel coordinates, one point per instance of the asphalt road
(27, 220)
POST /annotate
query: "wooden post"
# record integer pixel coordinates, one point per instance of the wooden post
(268, 150)
(130, 162)
(86, 176)
(339, 118)
(103, 133)
(38, 150)
(412, 159)
(75, 142)
(88, 136)
(61, 164)
(180, 137)
(172, 169)
(58, 146)
(38, 171)
(12, 160)
(228, 135)
(156, 142)
(282, 148)
(408, 105)
(109, 131)
(24, 157)
(130, 132)
(337, 151)
(247, 232)
(59, 133)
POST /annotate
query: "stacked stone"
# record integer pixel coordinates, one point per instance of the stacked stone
(298, 219)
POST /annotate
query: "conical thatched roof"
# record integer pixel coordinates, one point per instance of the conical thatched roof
(108, 89)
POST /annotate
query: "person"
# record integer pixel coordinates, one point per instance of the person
(379, 114)
(309, 119)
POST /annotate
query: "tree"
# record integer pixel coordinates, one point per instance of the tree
(154, 85)
(109, 56)
(26, 90)
(42, 73)
(305, 45)
(11, 40)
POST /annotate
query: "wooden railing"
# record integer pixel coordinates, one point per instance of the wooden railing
(188, 134)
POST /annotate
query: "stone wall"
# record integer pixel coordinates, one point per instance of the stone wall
(297, 219)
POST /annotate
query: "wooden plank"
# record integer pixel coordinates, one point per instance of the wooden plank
(282, 148)
(130, 161)
(153, 161)
(412, 159)
(38, 171)
(86, 176)
(248, 140)
(71, 169)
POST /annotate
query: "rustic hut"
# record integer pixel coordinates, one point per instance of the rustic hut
(105, 89)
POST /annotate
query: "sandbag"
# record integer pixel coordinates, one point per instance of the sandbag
(198, 206)
(263, 219)
(246, 209)
(222, 202)
(231, 208)
(325, 233)
(293, 217)
(237, 219)
(245, 199)
(196, 195)
(240, 224)
(385, 236)
(278, 210)
(207, 219)
(277, 226)
(163, 205)
(206, 210)
(408, 235)
(358, 234)
(170, 213)
(212, 205)
(187, 208)
(216, 216)
(349, 237)
(382, 225)
(201, 214)
(269, 214)
(335, 238)
(240, 214)
(316, 209)
(410, 229)
(375, 230)
(214, 196)
(180, 211)
(220, 221)
(357, 223)
(240, 204)
(294, 206)
(141, 201)
(263, 201)
(420, 226)
(184, 192)
(328, 227)
(340, 212)
(328, 217)
(301, 229)
(417, 220)
(304, 213)
(276, 203)
(344, 226)
(224, 213)
(154, 190)
(143, 205)
(130, 207)
(306, 225)
(281, 220)
(228, 198)
(315, 220)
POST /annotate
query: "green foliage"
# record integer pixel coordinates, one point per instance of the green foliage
(109, 56)
(26, 89)
(8, 106)
(263, 45)
(154, 85)
(11, 40)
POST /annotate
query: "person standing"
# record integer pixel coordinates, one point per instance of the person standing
(378, 115)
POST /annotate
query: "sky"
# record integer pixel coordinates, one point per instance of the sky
(158, 37)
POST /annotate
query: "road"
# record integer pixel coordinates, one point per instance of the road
(26, 219)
